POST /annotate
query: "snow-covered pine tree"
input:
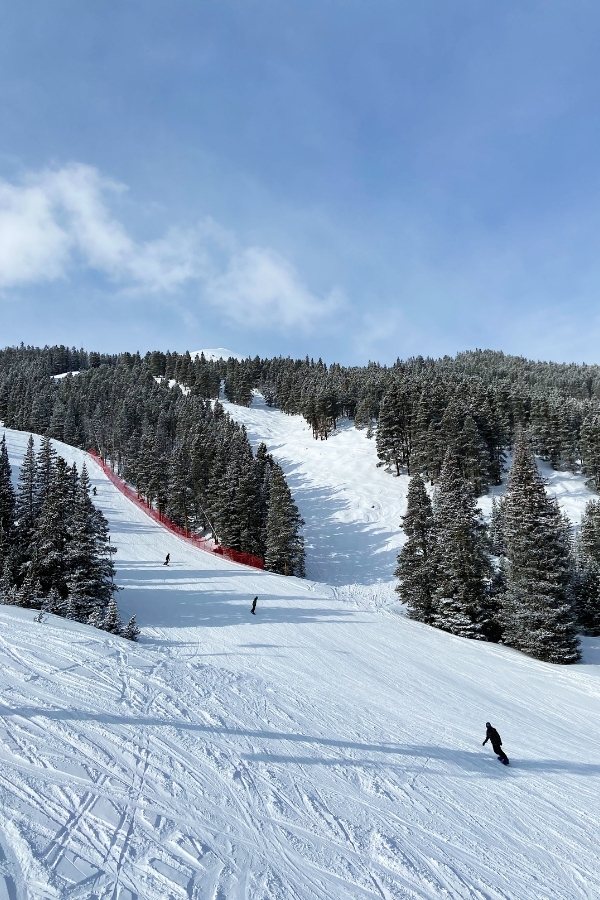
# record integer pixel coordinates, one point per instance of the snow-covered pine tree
(462, 561)
(587, 593)
(180, 503)
(284, 544)
(589, 532)
(30, 594)
(590, 448)
(90, 570)
(8, 589)
(112, 620)
(389, 438)
(474, 457)
(248, 502)
(416, 560)
(131, 630)
(53, 529)
(496, 526)
(395, 426)
(53, 603)
(25, 510)
(45, 464)
(7, 503)
(538, 615)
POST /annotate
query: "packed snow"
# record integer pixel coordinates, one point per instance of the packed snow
(325, 748)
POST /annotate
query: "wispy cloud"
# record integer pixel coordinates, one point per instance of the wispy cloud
(261, 285)
(54, 220)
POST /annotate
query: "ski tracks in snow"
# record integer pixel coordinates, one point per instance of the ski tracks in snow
(317, 751)
(138, 778)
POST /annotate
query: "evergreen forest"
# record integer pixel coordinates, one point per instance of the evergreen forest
(55, 551)
(452, 424)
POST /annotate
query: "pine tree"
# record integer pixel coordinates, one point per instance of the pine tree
(474, 458)
(589, 533)
(496, 526)
(30, 594)
(96, 618)
(416, 560)
(462, 561)
(538, 615)
(53, 530)
(70, 610)
(53, 603)
(45, 463)
(587, 594)
(284, 545)
(7, 503)
(25, 511)
(112, 621)
(8, 588)
(180, 503)
(88, 555)
(131, 631)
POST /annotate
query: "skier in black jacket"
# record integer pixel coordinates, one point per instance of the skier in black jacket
(492, 735)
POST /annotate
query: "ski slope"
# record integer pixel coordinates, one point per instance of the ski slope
(324, 748)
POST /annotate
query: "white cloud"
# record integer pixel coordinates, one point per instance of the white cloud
(260, 287)
(33, 245)
(56, 219)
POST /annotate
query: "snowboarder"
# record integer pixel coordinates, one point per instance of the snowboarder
(253, 609)
(167, 559)
(94, 491)
(492, 735)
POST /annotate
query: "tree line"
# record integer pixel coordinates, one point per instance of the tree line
(179, 449)
(523, 580)
(451, 421)
(55, 552)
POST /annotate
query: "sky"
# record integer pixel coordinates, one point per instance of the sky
(352, 179)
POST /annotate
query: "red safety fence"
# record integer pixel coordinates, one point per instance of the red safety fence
(202, 543)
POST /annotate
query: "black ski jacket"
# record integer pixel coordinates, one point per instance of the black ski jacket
(492, 735)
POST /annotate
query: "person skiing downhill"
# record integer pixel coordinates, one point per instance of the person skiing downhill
(253, 608)
(167, 559)
(492, 735)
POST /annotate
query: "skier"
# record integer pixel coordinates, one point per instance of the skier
(94, 491)
(167, 559)
(492, 735)
(253, 609)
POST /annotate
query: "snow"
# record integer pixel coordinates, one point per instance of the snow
(171, 383)
(324, 748)
(64, 375)
(215, 353)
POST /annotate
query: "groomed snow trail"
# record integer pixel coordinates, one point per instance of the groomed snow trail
(315, 750)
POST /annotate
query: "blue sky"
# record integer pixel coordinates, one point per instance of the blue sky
(350, 179)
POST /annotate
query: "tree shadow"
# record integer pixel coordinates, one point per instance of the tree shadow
(340, 552)
(469, 761)
(154, 597)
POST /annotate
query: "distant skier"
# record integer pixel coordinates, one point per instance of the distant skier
(492, 735)
(167, 559)
(94, 491)
(253, 608)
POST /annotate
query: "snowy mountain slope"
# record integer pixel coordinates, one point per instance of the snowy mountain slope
(353, 509)
(317, 750)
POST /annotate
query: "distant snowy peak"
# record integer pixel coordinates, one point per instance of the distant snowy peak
(216, 353)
